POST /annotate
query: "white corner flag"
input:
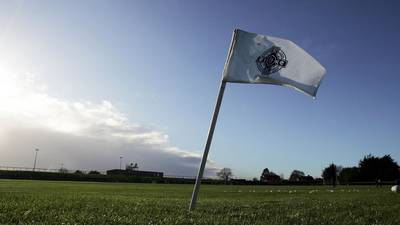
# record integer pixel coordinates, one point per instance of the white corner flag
(261, 59)
(255, 58)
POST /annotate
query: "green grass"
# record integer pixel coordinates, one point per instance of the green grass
(44, 202)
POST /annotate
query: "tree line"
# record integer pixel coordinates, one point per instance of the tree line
(269, 177)
(370, 169)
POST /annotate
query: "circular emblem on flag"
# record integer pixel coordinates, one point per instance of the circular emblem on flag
(271, 61)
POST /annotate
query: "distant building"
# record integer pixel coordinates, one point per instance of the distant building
(135, 173)
(132, 169)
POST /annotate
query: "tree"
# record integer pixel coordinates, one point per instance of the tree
(225, 174)
(298, 172)
(132, 167)
(94, 172)
(308, 179)
(269, 177)
(330, 173)
(373, 168)
(63, 170)
(297, 176)
(78, 172)
(348, 175)
(264, 173)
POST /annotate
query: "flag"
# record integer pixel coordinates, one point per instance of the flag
(255, 58)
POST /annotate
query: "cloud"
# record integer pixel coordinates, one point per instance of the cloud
(80, 134)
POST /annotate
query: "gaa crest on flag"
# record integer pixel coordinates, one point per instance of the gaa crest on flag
(260, 59)
(271, 61)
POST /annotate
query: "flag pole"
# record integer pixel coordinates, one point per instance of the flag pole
(207, 146)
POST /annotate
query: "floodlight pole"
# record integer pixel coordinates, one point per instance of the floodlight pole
(120, 163)
(207, 146)
(34, 162)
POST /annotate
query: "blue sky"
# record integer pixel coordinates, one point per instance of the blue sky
(159, 63)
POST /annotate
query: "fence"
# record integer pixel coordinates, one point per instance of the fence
(64, 170)
(60, 170)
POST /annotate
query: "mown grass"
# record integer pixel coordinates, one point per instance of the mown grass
(45, 202)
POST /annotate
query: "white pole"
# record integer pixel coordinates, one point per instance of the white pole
(207, 147)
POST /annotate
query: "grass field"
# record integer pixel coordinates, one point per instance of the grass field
(44, 202)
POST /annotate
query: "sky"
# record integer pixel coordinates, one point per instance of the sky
(86, 82)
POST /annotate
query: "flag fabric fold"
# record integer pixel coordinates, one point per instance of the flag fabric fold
(255, 58)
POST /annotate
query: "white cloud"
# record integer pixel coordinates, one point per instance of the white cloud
(81, 135)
